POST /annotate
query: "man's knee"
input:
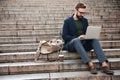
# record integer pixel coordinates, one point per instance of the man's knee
(76, 40)
(95, 40)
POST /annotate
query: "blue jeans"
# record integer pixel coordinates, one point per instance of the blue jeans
(81, 46)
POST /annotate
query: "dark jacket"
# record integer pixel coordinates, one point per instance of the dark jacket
(69, 30)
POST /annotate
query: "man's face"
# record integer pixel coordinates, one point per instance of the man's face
(80, 12)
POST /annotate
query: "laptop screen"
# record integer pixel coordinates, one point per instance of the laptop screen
(93, 32)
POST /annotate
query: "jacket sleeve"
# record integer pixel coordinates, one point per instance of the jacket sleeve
(66, 31)
(85, 26)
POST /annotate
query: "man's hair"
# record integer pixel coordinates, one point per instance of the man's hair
(80, 5)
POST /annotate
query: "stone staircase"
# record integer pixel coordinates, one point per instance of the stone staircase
(24, 22)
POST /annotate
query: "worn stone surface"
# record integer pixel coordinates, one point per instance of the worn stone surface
(44, 76)
(23, 19)
(43, 66)
(78, 76)
(4, 70)
(29, 56)
(23, 23)
(115, 65)
(33, 68)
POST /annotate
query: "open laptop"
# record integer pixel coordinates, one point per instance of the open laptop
(93, 32)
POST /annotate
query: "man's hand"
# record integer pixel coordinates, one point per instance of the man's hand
(81, 37)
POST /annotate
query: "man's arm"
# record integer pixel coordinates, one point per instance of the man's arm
(65, 31)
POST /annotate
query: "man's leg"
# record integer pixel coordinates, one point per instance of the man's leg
(102, 58)
(77, 45)
(98, 51)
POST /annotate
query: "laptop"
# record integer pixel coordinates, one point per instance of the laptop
(93, 32)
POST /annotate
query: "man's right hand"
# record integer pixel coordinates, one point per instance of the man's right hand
(81, 37)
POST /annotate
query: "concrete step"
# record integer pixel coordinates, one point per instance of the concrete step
(27, 39)
(13, 27)
(13, 40)
(110, 29)
(42, 66)
(33, 46)
(109, 36)
(6, 27)
(110, 44)
(37, 38)
(76, 75)
(29, 56)
(40, 30)
(24, 15)
(64, 3)
(13, 13)
(30, 32)
(10, 27)
(55, 15)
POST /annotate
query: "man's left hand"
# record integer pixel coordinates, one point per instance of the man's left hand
(81, 37)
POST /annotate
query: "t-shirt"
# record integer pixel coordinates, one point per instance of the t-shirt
(79, 27)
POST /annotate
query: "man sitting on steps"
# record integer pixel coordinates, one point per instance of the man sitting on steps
(73, 33)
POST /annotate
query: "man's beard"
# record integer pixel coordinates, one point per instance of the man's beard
(79, 17)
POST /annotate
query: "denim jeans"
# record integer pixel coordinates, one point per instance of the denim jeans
(82, 46)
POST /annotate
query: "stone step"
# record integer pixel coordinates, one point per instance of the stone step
(110, 44)
(20, 27)
(12, 27)
(30, 32)
(42, 66)
(110, 30)
(76, 75)
(33, 46)
(45, 31)
(24, 15)
(12, 40)
(37, 38)
(52, 6)
(43, 20)
(29, 56)
(29, 3)
(107, 36)
(27, 39)
(5, 29)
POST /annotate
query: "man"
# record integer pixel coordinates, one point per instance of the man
(73, 33)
